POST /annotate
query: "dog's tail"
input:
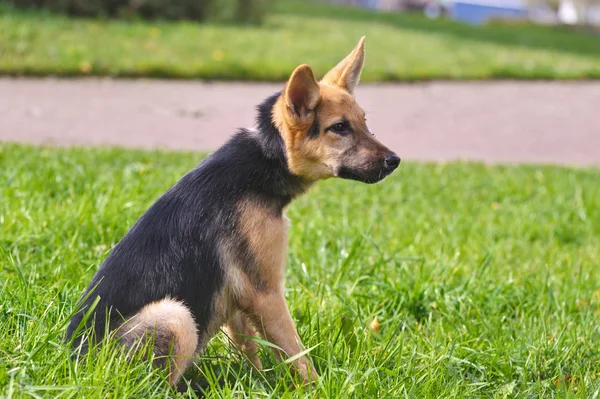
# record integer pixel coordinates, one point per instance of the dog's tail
(171, 324)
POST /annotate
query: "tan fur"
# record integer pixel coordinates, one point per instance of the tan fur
(261, 299)
(321, 158)
(302, 92)
(175, 333)
(239, 329)
(266, 234)
(223, 308)
(270, 314)
(266, 237)
(346, 74)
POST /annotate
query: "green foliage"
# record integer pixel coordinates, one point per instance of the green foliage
(399, 47)
(197, 10)
(484, 280)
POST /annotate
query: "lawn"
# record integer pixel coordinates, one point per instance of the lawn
(399, 47)
(483, 279)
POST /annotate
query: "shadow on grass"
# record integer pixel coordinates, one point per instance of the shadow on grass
(560, 39)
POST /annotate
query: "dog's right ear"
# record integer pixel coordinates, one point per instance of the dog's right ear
(346, 74)
(302, 94)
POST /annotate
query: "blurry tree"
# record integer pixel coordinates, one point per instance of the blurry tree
(245, 11)
(248, 11)
(251, 10)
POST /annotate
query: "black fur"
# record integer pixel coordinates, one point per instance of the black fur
(172, 249)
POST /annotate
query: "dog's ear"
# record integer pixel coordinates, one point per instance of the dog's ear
(302, 93)
(346, 74)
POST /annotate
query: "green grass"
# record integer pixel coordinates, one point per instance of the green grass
(399, 47)
(484, 279)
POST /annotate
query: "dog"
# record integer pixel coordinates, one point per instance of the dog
(211, 251)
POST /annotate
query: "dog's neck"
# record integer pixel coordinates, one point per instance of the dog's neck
(269, 136)
(283, 182)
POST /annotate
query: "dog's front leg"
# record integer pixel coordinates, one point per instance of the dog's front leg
(272, 318)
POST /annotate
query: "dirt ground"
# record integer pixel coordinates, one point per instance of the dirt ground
(532, 122)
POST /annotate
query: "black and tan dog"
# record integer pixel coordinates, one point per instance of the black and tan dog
(211, 251)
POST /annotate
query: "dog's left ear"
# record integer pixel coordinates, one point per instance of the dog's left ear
(302, 94)
(346, 74)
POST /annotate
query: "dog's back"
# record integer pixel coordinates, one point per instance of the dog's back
(172, 250)
(177, 249)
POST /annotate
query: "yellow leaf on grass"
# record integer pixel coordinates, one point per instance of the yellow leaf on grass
(218, 55)
(85, 66)
(154, 33)
(375, 325)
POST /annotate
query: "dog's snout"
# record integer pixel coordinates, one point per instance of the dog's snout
(391, 161)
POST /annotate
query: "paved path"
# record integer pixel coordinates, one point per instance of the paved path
(494, 122)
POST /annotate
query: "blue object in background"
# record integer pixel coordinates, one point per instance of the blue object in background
(479, 12)
(369, 3)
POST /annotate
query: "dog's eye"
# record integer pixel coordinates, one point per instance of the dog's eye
(342, 128)
(338, 127)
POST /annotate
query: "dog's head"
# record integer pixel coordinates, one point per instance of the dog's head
(325, 130)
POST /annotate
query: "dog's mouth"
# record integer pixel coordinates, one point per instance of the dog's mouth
(369, 176)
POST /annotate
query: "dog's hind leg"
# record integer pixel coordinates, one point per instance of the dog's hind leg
(239, 329)
(175, 336)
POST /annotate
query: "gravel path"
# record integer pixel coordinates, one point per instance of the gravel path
(533, 122)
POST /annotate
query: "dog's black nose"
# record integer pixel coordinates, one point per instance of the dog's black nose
(391, 161)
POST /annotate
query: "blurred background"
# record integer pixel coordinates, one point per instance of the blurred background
(572, 12)
(264, 39)
(552, 12)
(514, 79)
